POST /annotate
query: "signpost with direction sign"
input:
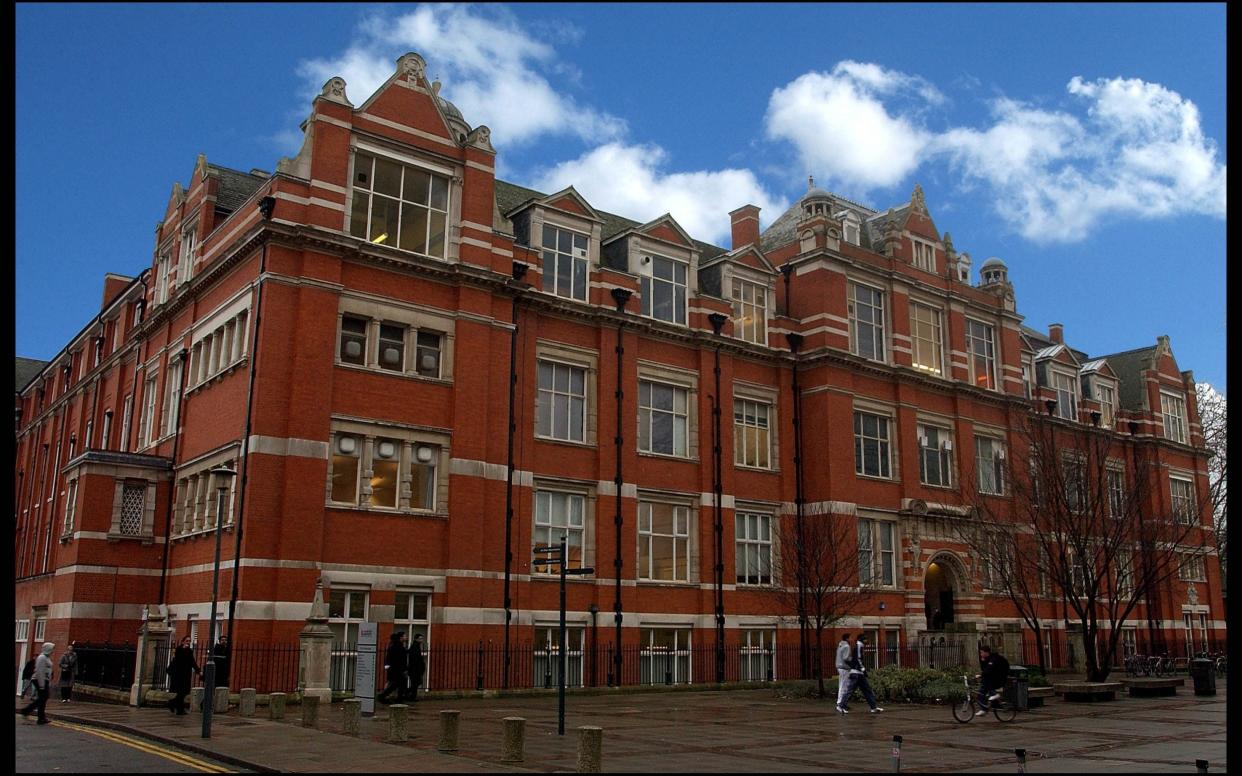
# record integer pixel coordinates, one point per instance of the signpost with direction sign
(548, 557)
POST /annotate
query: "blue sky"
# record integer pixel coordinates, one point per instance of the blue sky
(1083, 144)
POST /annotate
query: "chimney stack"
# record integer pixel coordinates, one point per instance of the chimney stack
(745, 225)
(1056, 333)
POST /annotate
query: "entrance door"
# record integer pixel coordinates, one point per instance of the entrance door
(946, 605)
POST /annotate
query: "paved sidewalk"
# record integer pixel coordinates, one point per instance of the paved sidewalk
(738, 731)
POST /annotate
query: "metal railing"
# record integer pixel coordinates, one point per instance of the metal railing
(106, 665)
(264, 667)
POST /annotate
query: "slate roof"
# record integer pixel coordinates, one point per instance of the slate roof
(235, 186)
(783, 230)
(509, 196)
(26, 370)
(1040, 341)
(1129, 366)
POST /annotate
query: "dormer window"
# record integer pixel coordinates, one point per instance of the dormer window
(663, 289)
(1106, 394)
(924, 256)
(189, 246)
(399, 205)
(564, 262)
(750, 311)
(1067, 395)
(850, 228)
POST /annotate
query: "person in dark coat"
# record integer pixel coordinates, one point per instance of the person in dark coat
(180, 672)
(221, 656)
(68, 672)
(395, 662)
(418, 665)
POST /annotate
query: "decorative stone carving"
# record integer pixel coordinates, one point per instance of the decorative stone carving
(413, 66)
(481, 137)
(334, 90)
(316, 651)
(1192, 594)
(917, 201)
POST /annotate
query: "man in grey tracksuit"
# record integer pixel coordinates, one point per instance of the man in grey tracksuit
(843, 671)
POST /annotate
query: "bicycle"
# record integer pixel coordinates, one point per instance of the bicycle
(964, 710)
(1135, 665)
(1222, 663)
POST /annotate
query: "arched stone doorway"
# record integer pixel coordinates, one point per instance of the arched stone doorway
(941, 582)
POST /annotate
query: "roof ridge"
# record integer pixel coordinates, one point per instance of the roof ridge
(1128, 352)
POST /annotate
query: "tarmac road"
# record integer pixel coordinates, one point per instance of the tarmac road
(70, 748)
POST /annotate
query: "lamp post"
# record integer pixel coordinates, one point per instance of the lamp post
(223, 476)
(547, 557)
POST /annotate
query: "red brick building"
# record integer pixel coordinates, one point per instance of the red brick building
(342, 333)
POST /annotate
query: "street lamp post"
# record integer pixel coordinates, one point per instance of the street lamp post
(547, 556)
(224, 476)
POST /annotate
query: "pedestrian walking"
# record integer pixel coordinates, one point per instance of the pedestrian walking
(418, 664)
(858, 675)
(42, 679)
(68, 672)
(180, 671)
(843, 673)
(221, 656)
(395, 663)
(28, 679)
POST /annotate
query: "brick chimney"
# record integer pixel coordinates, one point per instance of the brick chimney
(745, 224)
(113, 285)
(1056, 333)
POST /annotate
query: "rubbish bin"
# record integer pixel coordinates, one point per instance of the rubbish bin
(1203, 671)
(1018, 685)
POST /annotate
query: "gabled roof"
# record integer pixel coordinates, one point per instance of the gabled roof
(784, 229)
(510, 197)
(235, 186)
(1038, 341)
(27, 369)
(1129, 366)
(738, 253)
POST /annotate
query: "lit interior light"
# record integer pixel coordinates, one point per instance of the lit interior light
(381, 238)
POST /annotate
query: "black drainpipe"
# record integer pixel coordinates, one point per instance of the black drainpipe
(266, 206)
(172, 487)
(795, 342)
(787, 270)
(717, 321)
(519, 272)
(620, 296)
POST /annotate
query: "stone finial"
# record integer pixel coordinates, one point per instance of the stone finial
(413, 65)
(200, 166)
(319, 609)
(810, 182)
(948, 245)
(916, 199)
(1162, 344)
(435, 86)
(334, 90)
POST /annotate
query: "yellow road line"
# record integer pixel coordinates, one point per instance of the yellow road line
(147, 747)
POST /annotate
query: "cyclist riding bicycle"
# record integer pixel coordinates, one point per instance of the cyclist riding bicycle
(994, 671)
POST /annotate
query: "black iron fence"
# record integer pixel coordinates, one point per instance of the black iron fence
(264, 667)
(106, 665)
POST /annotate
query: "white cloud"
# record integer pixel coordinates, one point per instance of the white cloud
(842, 129)
(630, 180)
(490, 68)
(1127, 148)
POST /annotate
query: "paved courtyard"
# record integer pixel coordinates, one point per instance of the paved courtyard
(738, 731)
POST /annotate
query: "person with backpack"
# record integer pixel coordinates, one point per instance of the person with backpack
(42, 678)
(28, 679)
(68, 672)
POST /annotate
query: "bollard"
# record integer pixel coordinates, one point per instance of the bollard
(449, 722)
(276, 705)
(397, 730)
(590, 748)
(220, 700)
(513, 748)
(196, 698)
(310, 711)
(896, 754)
(353, 715)
(1201, 765)
(245, 706)
(1021, 754)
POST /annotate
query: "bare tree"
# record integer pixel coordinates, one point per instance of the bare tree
(1212, 421)
(821, 554)
(1077, 524)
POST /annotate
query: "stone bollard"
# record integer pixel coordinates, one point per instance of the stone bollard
(220, 700)
(397, 730)
(449, 721)
(590, 748)
(276, 705)
(513, 749)
(353, 716)
(246, 705)
(196, 698)
(310, 711)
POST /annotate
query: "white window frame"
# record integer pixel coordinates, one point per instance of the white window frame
(171, 413)
(553, 257)
(394, 241)
(757, 650)
(877, 566)
(1184, 505)
(760, 438)
(679, 289)
(410, 624)
(920, 341)
(924, 255)
(883, 444)
(990, 355)
(935, 442)
(1115, 484)
(991, 458)
(409, 444)
(683, 568)
(680, 420)
(189, 246)
(343, 654)
(1106, 394)
(1191, 568)
(547, 664)
(1066, 386)
(750, 316)
(675, 659)
(548, 397)
(1173, 408)
(877, 332)
(547, 529)
(146, 423)
(754, 535)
